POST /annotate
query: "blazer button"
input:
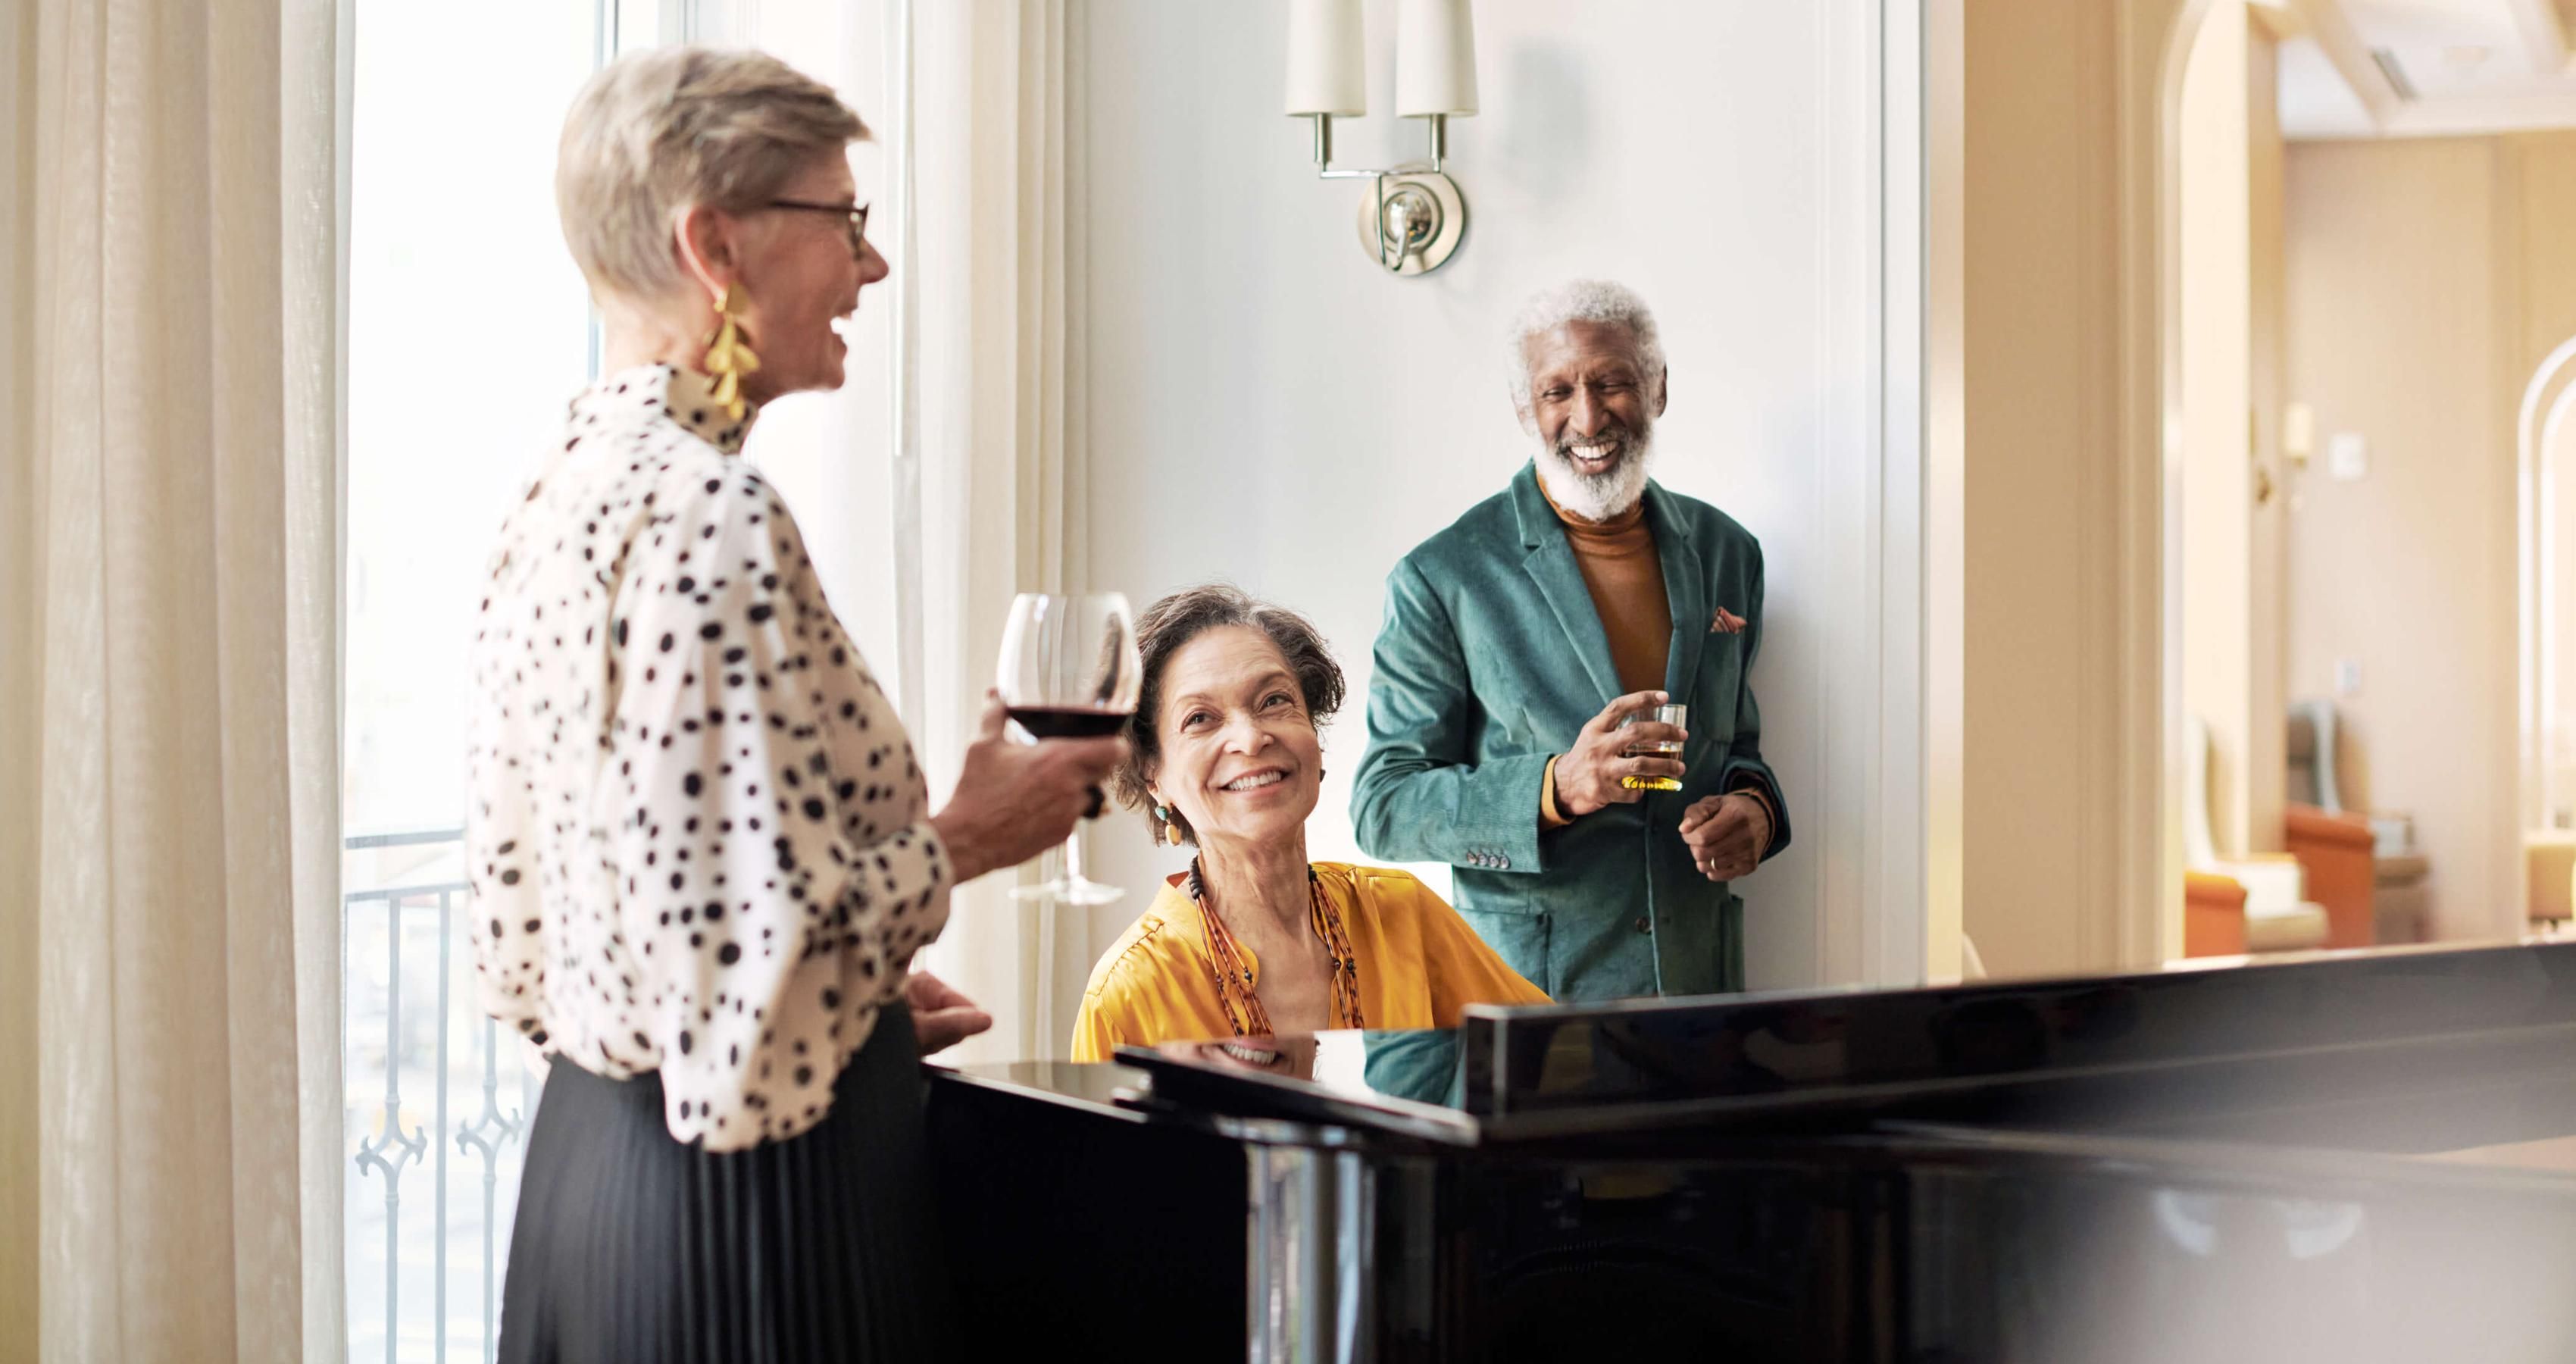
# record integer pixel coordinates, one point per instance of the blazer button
(1502, 863)
(1643, 926)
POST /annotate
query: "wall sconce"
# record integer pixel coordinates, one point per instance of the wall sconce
(2298, 433)
(1415, 218)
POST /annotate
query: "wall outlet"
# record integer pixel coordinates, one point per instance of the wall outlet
(2347, 456)
(2347, 677)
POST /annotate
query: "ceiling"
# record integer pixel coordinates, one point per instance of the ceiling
(2411, 68)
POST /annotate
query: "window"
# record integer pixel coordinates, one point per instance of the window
(469, 329)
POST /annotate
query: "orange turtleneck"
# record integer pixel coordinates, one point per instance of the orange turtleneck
(1626, 579)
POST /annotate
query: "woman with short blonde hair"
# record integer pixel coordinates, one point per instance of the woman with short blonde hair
(700, 845)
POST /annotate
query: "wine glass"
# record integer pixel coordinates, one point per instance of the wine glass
(1069, 671)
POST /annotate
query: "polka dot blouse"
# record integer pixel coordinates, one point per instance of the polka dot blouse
(697, 835)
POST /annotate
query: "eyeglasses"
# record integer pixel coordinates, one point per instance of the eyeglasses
(856, 213)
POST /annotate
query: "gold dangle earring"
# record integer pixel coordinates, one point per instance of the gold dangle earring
(728, 358)
(1171, 827)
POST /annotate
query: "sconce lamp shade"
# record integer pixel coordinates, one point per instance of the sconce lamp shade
(1326, 71)
(1435, 57)
(2298, 432)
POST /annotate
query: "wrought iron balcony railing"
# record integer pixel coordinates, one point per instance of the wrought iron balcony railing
(437, 1269)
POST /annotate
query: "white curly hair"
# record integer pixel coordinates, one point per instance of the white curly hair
(1581, 300)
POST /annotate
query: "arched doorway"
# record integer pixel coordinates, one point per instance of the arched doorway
(2163, 444)
(2544, 480)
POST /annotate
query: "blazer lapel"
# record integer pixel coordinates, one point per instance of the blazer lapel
(1550, 565)
(1685, 592)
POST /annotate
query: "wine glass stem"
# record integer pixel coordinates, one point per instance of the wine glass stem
(1073, 857)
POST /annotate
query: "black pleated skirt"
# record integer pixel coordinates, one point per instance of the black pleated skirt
(631, 1247)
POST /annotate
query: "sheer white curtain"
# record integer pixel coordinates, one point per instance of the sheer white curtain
(947, 474)
(990, 265)
(169, 587)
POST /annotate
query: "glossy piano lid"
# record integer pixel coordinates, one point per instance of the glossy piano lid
(2373, 1032)
(1404, 1082)
(2464, 1055)
(1410, 1082)
(1932, 1045)
(1104, 1090)
(1417, 1066)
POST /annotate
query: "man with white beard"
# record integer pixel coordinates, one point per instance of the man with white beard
(1517, 640)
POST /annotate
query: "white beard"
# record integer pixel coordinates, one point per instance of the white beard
(1601, 496)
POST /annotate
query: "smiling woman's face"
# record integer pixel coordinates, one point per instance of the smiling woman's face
(1240, 756)
(800, 278)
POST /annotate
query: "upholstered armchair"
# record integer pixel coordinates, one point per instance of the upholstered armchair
(2213, 915)
(2331, 838)
(2334, 851)
(2279, 916)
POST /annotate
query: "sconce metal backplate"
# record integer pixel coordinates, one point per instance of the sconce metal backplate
(1428, 202)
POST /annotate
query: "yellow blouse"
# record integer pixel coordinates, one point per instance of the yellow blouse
(1420, 964)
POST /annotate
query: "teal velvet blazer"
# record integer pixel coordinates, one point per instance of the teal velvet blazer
(1490, 659)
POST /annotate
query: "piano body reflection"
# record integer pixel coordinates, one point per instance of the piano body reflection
(2359, 1157)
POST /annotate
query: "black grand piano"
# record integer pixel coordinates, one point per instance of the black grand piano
(2347, 1158)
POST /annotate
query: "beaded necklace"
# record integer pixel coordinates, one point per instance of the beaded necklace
(1234, 978)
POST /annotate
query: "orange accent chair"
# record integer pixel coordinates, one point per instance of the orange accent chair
(2335, 852)
(2213, 915)
(2400, 894)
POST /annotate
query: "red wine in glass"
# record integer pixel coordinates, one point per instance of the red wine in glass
(1069, 670)
(1070, 722)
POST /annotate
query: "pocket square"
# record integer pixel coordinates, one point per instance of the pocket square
(1726, 622)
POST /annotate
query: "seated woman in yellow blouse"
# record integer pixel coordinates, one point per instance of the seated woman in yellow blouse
(1254, 940)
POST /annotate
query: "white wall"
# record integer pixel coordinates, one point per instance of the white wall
(2407, 275)
(1266, 407)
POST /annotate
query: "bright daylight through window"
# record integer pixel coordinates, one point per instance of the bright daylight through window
(469, 330)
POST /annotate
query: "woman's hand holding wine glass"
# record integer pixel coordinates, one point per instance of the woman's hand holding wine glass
(1013, 800)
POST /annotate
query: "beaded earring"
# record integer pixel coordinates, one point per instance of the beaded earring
(728, 358)
(1171, 828)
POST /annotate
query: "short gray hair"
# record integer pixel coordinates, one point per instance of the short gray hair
(659, 130)
(1582, 300)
